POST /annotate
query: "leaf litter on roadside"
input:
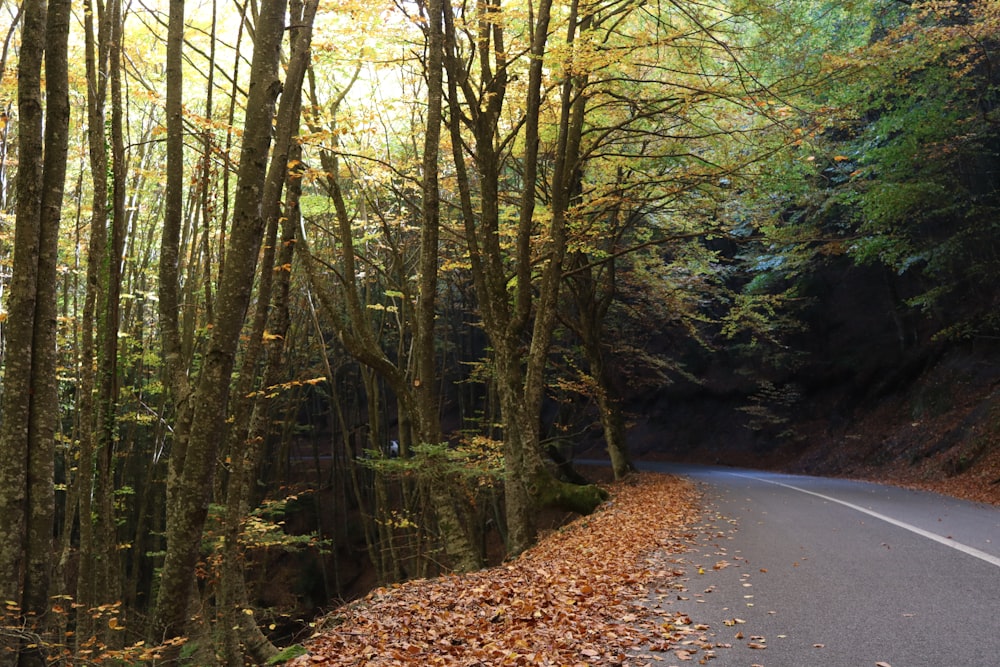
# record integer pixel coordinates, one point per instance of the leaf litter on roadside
(574, 599)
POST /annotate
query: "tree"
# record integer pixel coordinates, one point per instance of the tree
(97, 63)
(592, 290)
(911, 172)
(30, 403)
(886, 159)
(518, 323)
(248, 427)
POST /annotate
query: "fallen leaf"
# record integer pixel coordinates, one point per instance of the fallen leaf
(545, 607)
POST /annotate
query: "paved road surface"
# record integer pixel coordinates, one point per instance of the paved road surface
(813, 572)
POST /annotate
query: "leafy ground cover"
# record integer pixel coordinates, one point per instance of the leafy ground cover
(575, 599)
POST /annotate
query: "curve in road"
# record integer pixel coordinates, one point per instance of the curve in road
(794, 571)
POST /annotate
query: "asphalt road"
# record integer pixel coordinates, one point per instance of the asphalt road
(795, 571)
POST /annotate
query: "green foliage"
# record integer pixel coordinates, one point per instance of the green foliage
(926, 202)
(264, 527)
(288, 653)
(890, 161)
(478, 459)
(189, 650)
(771, 406)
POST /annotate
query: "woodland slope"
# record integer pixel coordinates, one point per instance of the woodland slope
(861, 401)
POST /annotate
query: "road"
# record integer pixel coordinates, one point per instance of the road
(795, 571)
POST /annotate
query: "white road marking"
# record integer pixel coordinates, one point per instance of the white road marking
(948, 542)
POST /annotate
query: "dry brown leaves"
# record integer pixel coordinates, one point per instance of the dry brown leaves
(575, 599)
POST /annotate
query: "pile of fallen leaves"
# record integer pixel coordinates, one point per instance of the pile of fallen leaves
(575, 599)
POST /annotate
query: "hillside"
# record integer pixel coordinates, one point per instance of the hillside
(857, 401)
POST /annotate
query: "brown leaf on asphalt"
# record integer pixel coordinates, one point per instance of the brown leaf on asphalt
(575, 599)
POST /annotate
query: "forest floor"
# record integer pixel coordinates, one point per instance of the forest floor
(577, 598)
(979, 483)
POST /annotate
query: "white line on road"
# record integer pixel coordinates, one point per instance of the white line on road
(948, 542)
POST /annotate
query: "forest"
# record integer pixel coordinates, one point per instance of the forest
(298, 298)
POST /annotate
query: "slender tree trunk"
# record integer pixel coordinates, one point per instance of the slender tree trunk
(425, 382)
(208, 195)
(174, 359)
(97, 76)
(45, 408)
(18, 379)
(609, 410)
(108, 574)
(592, 309)
(457, 541)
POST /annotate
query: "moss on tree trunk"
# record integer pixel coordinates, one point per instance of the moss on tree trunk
(555, 494)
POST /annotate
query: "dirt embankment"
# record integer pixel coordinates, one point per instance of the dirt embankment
(941, 432)
(931, 423)
(867, 388)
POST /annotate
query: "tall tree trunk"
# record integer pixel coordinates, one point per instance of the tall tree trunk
(592, 296)
(612, 420)
(97, 76)
(30, 400)
(174, 359)
(457, 542)
(191, 494)
(250, 422)
(108, 572)
(425, 382)
(18, 378)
